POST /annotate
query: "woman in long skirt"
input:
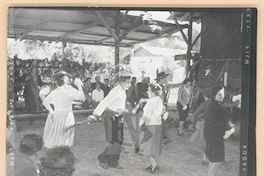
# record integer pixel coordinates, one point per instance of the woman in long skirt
(57, 131)
(152, 115)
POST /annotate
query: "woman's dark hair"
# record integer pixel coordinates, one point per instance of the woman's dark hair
(124, 78)
(186, 80)
(31, 144)
(214, 91)
(58, 161)
(206, 92)
(154, 88)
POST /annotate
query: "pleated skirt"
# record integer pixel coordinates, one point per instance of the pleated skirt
(57, 131)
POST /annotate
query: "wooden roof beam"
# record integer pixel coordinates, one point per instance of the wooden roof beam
(122, 20)
(133, 26)
(111, 31)
(104, 39)
(183, 18)
(164, 34)
(182, 33)
(196, 39)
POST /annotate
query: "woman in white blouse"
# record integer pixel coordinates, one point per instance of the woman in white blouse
(56, 131)
(153, 113)
(111, 109)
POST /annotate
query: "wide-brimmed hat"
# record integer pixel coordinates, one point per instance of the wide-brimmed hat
(161, 75)
(61, 73)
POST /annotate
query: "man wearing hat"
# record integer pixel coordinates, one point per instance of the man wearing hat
(161, 79)
(111, 109)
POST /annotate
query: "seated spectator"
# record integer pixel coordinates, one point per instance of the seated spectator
(58, 161)
(26, 160)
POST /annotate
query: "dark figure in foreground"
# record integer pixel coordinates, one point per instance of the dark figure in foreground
(58, 161)
(216, 123)
(26, 163)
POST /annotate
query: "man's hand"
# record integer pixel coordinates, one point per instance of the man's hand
(91, 118)
(165, 115)
(184, 107)
(125, 111)
(134, 111)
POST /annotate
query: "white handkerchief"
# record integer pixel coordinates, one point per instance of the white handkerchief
(165, 116)
(229, 132)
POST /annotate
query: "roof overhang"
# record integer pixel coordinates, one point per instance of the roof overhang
(83, 26)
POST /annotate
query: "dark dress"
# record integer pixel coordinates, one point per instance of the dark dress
(214, 130)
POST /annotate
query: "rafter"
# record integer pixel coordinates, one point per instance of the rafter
(196, 39)
(181, 31)
(164, 34)
(100, 16)
(131, 27)
(122, 20)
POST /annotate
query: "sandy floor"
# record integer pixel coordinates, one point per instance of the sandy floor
(179, 158)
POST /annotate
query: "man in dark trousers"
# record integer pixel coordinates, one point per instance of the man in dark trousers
(111, 109)
(132, 93)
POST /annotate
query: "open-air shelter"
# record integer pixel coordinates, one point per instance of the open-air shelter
(93, 26)
(104, 27)
(117, 28)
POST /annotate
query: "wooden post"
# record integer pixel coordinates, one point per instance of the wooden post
(117, 42)
(63, 56)
(35, 67)
(189, 54)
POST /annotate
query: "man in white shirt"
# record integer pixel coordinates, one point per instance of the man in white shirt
(97, 95)
(111, 109)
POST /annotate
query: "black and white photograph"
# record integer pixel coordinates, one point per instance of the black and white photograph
(107, 91)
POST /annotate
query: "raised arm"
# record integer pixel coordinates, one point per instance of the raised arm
(77, 94)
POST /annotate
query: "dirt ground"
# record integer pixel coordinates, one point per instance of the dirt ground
(179, 158)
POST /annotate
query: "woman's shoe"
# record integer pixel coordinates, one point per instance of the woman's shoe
(153, 170)
(149, 168)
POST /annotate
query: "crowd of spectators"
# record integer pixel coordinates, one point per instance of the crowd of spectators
(85, 71)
